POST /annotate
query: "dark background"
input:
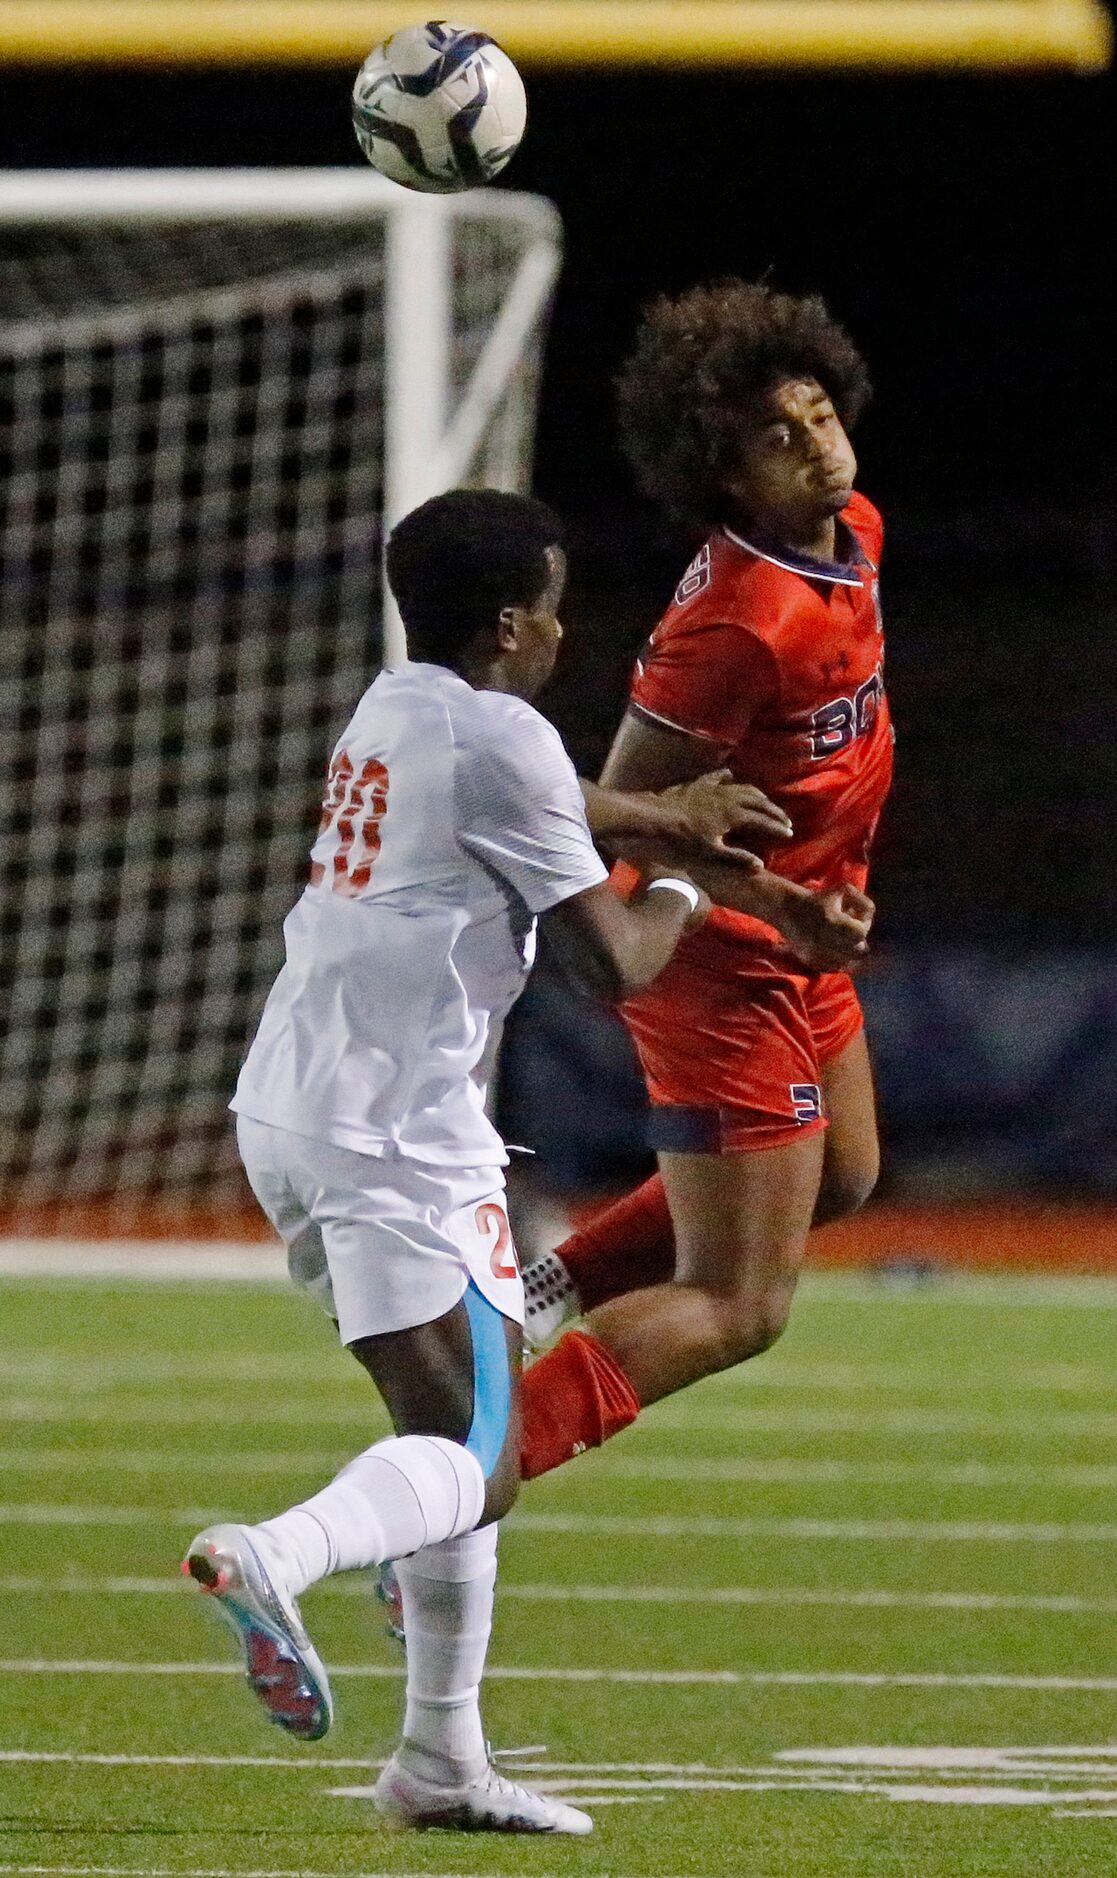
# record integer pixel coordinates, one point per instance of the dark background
(962, 229)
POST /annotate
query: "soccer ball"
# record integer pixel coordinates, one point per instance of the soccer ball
(439, 107)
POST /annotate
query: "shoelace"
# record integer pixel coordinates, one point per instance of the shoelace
(497, 1782)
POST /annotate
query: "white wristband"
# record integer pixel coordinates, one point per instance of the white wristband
(689, 892)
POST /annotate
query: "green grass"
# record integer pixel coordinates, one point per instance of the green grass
(916, 1484)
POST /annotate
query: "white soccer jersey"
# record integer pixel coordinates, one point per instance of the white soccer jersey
(452, 818)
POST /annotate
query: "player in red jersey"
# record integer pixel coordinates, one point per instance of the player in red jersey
(737, 405)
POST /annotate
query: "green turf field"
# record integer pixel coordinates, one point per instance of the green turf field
(852, 1610)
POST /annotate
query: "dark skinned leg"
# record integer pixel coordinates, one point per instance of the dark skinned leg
(425, 1376)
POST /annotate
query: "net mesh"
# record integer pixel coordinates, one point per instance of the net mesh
(191, 479)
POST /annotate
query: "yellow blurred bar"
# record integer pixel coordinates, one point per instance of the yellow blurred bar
(757, 35)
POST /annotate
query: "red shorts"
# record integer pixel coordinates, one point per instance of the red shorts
(732, 1044)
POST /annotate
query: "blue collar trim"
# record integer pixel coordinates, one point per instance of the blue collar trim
(838, 573)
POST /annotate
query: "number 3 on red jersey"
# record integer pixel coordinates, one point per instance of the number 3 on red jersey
(354, 807)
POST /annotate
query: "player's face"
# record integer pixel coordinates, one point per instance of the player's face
(797, 464)
(538, 631)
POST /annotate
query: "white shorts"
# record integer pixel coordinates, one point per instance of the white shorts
(382, 1244)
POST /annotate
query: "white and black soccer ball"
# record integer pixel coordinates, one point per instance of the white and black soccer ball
(439, 107)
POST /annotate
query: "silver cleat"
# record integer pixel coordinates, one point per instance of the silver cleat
(283, 1668)
(488, 1803)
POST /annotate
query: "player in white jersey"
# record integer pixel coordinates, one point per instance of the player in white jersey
(453, 821)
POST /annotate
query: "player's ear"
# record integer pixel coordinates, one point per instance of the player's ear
(507, 628)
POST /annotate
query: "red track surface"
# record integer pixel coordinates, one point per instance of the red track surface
(1016, 1236)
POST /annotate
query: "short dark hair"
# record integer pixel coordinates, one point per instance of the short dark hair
(701, 364)
(457, 561)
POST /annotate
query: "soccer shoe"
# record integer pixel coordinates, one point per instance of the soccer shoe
(282, 1665)
(391, 1597)
(490, 1803)
(550, 1300)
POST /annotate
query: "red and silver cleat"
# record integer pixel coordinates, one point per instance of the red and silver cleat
(283, 1668)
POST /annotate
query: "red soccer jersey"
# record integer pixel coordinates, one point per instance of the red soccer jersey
(778, 662)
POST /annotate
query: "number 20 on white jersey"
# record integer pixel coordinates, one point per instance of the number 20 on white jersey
(355, 804)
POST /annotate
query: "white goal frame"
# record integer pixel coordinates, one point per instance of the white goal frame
(427, 447)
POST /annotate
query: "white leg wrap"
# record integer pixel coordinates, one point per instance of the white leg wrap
(404, 1493)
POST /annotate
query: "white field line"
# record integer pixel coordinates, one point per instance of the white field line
(638, 1792)
(680, 1678)
(879, 1773)
(78, 1375)
(205, 1871)
(947, 1531)
(355, 1585)
(761, 1780)
(748, 1595)
(789, 1766)
(191, 1516)
(164, 1460)
(166, 1261)
(822, 1471)
(363, 1416)
(187, 1261)
(646, 1796)
(839, 1378)
(188, 1871)
(876, 1773)
(55, 1757)
(81, 1375)
(743, 1420)
(1010, 1761)
(956, 1289)
(886, 1772)
(614, 1525)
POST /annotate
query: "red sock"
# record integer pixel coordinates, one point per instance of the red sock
(574, 1398)
(630, 1245)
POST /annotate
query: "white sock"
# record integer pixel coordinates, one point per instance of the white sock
(403, 1493)
(550, 1299)
(447, 1613)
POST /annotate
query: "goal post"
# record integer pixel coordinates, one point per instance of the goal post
(217, 390)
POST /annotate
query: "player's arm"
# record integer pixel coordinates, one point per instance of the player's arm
(612, 947)
(711, 818)
(826, 931)
(520, 811)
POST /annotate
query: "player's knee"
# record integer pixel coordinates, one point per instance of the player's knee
(846, 1188)
(751, 1322)
(770, 1320)
(501, 1488)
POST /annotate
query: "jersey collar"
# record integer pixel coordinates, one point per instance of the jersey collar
(836, 573)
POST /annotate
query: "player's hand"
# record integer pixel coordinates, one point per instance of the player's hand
(716, 819)
(827, 931)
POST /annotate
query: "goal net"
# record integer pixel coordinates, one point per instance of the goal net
(216, 390)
